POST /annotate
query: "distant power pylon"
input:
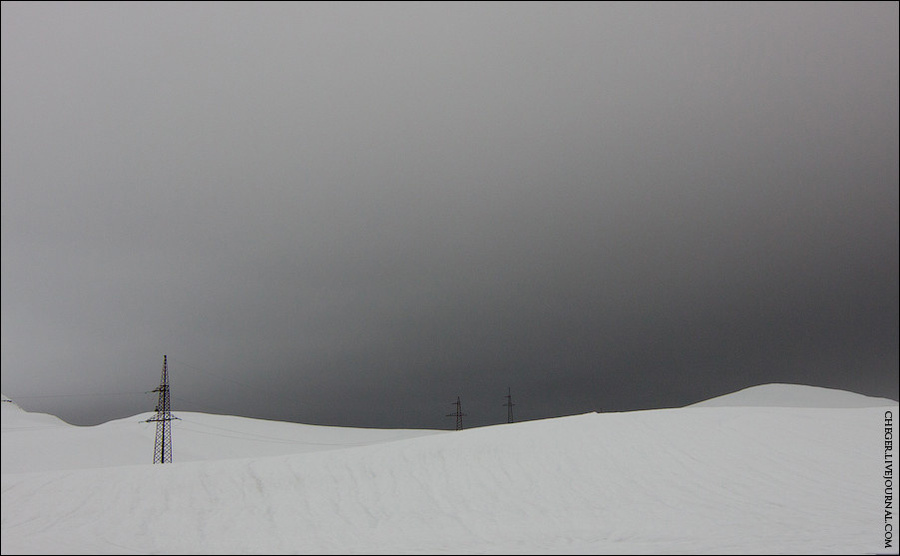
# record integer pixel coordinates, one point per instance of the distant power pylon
(459, 414)
(162, 450)
(509, 404)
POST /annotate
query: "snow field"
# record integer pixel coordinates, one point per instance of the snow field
(687, 480)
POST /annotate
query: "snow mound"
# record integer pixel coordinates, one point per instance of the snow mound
(794, 395)
(16, 418)
(40, 442)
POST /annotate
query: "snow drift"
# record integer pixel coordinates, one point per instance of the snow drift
(708, 479)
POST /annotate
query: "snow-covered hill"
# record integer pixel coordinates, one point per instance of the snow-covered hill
(793, 395)
(40, 442)
(702, 479)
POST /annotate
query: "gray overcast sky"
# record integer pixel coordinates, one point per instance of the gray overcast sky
(351, 214)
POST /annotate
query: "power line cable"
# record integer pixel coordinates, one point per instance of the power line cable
(16, 397)
(219, 377)
(277, 439)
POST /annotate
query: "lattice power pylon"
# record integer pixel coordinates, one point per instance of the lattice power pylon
(162, 449)
(509, 404)
(459, 414)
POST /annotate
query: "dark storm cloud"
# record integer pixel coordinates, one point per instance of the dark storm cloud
(352, 213)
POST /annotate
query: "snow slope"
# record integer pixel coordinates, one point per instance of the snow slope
(687, 480)
(40, 442)
(793, 395)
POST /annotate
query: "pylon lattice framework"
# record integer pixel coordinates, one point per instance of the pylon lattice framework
(509, 404)
(162, 449)
(459, 414)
